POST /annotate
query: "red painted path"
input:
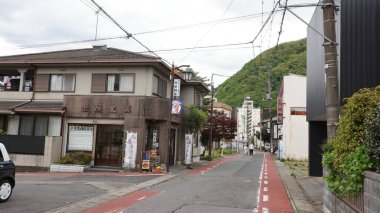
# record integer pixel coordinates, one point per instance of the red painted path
(203, 169)
(273, 197)
(121, 203)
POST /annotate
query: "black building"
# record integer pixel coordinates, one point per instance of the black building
(358, 37)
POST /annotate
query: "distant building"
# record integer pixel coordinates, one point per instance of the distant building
(248, 120)
(221, 107)
(291, 104)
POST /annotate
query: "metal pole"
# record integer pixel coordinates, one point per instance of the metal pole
(211, 116)
(170, 117)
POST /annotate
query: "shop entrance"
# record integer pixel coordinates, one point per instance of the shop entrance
(109, 145)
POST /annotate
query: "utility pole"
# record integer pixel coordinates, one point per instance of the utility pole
(270, 109)
(331, 68)
(211, 117)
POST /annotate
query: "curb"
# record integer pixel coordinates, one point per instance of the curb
(96, 201)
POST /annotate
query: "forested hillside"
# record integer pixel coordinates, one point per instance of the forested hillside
(252, 79)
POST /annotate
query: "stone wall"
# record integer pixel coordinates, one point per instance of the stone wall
(372, 192)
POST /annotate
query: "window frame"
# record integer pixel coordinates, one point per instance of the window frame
(117, 78)
(62, 74)
(162, 87)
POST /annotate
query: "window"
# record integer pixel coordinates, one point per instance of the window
(64, 83)
(40, 125)
(26, 125)
(120, 83)
(159, 86)
(80, 138)
(198, 100)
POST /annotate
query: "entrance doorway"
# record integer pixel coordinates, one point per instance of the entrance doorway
(109, 145)
(172, 147)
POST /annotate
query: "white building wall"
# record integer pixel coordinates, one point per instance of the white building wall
(295, 128)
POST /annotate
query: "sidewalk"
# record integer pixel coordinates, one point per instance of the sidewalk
(305, 193)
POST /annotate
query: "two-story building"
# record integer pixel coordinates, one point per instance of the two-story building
(88, 100)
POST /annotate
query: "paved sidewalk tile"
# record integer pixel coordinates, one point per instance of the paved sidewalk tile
(300, 200)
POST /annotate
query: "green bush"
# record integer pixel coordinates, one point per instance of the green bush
(353, 150)
(81, 158)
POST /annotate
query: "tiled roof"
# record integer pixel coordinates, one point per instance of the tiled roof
(80, 55)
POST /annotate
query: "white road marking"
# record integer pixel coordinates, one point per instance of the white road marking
(265, 182)
(142, 198)
(265, 210)
(265, 177)
(265, 189)
(259, 189)
(265, 198)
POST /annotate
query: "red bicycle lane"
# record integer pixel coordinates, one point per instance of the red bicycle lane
(273, 197)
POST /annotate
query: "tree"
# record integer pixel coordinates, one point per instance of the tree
(195, 120)
(224, 128)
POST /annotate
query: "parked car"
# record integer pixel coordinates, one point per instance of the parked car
(267, 147)
(7, 175)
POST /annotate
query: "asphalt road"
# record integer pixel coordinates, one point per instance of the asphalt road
(43, 192)
(229, 187)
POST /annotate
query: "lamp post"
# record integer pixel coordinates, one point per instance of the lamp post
(170, 111)
(212, 111)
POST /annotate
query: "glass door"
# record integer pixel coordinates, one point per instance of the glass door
(109, 145)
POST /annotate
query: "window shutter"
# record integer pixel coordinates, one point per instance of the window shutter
(42, 83)
(98, 83)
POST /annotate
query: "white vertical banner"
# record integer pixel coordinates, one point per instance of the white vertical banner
(177, 87)
(188, 148)
(130, 150)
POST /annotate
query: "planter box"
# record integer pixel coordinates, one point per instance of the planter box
(67, 168)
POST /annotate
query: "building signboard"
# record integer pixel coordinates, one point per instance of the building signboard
(177, 87)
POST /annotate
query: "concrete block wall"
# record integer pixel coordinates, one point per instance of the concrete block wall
(371, 192)
(52, 153)
(333, 204)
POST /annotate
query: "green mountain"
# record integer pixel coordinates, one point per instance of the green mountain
(252, 79)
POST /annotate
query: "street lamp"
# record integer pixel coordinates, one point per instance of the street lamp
(170, 111)
(212, 111)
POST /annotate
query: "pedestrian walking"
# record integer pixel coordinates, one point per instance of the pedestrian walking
(245, 149)
(251, 149)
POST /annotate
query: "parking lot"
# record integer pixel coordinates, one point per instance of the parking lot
(40, 192)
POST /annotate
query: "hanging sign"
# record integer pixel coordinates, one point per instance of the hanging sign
(176, 106)
(176, 87)
(188, 148)
(130, 150)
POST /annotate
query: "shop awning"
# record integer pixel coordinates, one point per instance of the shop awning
(41, 107)
(6, 106)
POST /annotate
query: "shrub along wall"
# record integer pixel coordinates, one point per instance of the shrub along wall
(356, 145)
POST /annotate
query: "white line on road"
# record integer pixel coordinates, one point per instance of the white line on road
(265, 182)
(265, 198)
(265, 189)
(142, 198)
(265, 210)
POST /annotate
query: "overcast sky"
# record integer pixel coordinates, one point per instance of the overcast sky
(28, 22)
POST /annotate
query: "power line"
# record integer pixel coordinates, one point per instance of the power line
(212, 27)
(202, 47)
(226, 20)
(129, 35)
(266, 21)
(282, 22)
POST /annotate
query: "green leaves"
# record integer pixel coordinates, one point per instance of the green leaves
(356, 147)
(252, 79)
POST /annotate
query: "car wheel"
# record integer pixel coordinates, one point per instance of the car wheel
(5, 190)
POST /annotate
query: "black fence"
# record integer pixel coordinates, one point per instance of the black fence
(21, 144)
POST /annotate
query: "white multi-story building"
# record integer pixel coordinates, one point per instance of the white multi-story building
(248, 119)
(292, 115)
